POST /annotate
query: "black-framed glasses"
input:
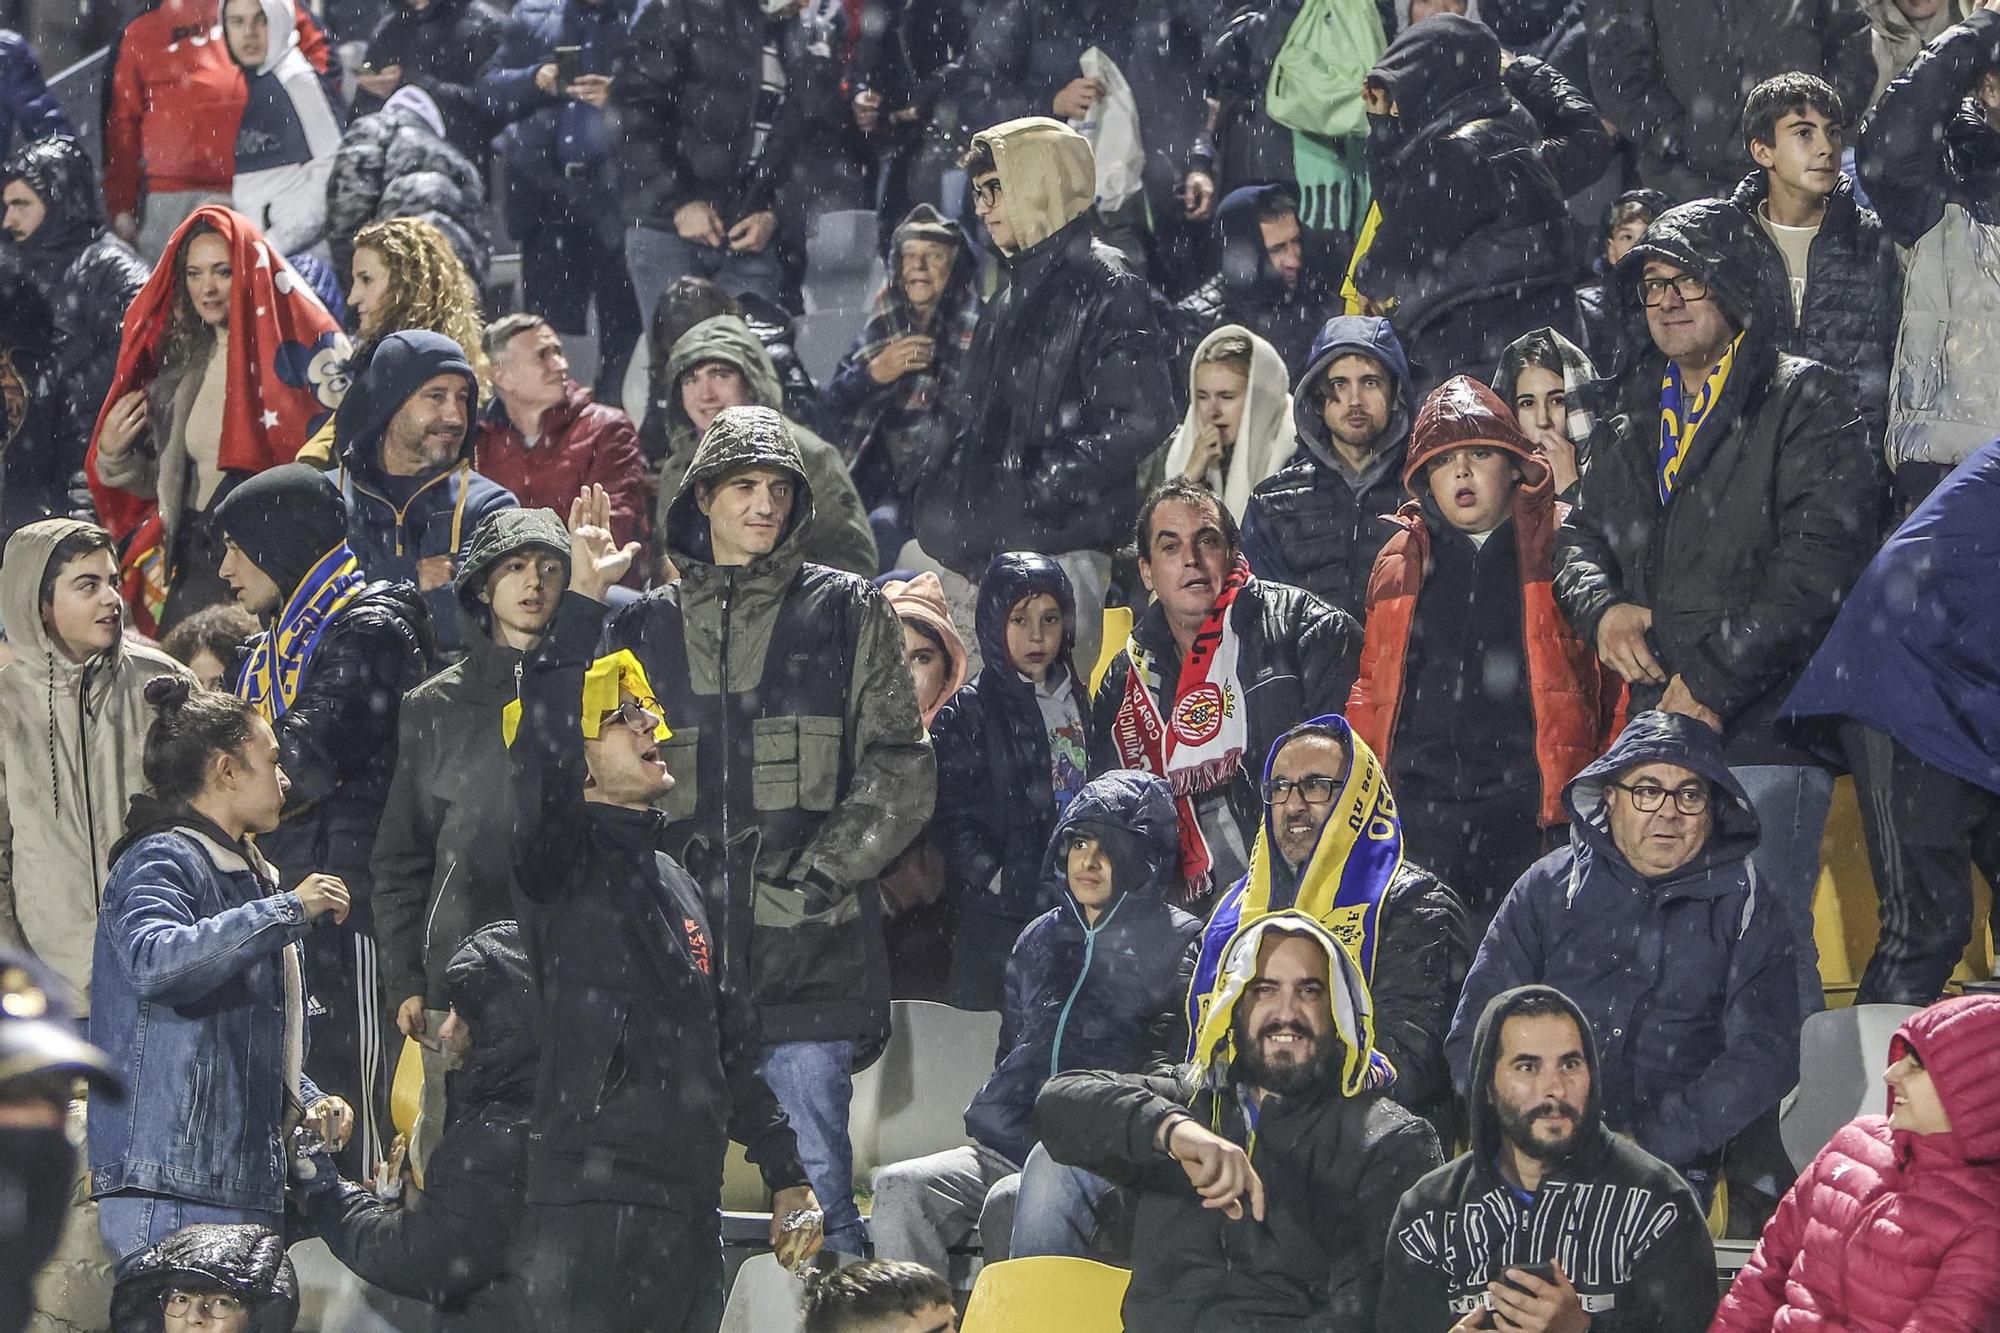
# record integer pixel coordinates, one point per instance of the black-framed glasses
(1315, 790)
(217, 1305)
(987, 192)
(1647, 797)
(1687, 286)
(642, 715)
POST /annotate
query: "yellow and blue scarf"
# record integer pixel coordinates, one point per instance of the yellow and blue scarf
(270, 680)
(1680, 420)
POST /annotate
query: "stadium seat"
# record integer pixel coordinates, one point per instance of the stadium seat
(843, 265)
(763, 1299)
(1842, 1053)
(1047, 1292)
(912, 1101)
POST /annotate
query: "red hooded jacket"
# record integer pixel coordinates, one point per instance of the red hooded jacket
(1578, 705)
(1889, 1231)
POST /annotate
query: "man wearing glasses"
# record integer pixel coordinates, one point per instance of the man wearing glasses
(1655, 921)
(209, 1277)
(1722, 522)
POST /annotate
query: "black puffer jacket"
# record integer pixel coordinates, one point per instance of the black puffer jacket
(1471, 177)
(1776, 512)
(393, 164)
(1854, 295)
(88, 276)
(442, 47)
(248, 1262)
(995, 806)
(1931, 146)
(1248, 290)
(32, 478)
(454, 1243)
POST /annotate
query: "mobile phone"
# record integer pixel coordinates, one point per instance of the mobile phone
(1544, 1271)
(569, 65)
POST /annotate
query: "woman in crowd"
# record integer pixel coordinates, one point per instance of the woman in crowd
(196, 989)
(228, 365)
(407, 276)
(1545, 378)
(1238, 429)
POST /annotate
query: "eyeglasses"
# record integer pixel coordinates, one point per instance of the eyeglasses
(180, 1304)
(987, 192)
(1646, 797)
(1315, 790)
(642, 715)
(1688, 287)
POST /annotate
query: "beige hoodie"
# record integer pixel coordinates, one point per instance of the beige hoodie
(1047, 174)
(71, 737)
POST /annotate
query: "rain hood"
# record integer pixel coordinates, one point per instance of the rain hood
(1048, 175)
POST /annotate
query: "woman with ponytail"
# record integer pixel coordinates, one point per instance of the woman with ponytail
(196, 989)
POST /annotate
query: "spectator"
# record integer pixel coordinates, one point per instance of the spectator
(234, 1278)
(1405, 930)
(1219, 666)
(227, 367)
(1539, 1141)
(689, 301)
(1042, 444)
(170, 118)
(30, 467)
(1471, 164)
(1733, 502)
(719, 364)
(558, 141)
(622, 1222)
(443, 862)
(437, 47)
(889, 390)
(1911, 670)
(1551, 31)
(1546, 379)
(1901, 29)
(55, 217)
(1013, 749)
(28, 110)
(211, 642)
(454, 1243)
(70, 760)
(407, 276)
(1274, 280)
(1930, 161)
(43, 1059)
(1297, 1237)
(1096, 982)
(196, 991)
(1238, 427)
(289, 132)
(848, 782)
(1315, 524)
(1908, 1201)
(1674, 99)
(394, 164)
(1844, 303)
(1652, 920)
(404, 440)
(1604, 315)
(879, 1296)
(545, 439)
(1473, 693)
(328, 673)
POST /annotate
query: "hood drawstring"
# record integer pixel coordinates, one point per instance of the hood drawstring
(55, 782)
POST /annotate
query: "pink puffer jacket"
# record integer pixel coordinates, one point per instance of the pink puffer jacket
(1888, 1231)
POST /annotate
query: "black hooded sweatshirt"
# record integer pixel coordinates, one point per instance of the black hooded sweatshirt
(1623, 1224)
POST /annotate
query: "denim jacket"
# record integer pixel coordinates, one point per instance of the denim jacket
(188, 999)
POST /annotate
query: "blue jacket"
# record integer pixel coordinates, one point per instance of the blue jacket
(188, 999)
(1109, 996)
(1688, 980)
(552, 142)
(27, 107)
(1916, 650)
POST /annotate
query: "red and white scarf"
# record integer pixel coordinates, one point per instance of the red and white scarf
(1199, 744)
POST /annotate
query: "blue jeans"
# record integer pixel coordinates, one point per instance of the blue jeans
(1791, 804)
(131, 1222)
(656, 258)
(814, 1082)
(1056, 1211)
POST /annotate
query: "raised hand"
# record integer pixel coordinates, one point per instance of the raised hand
(596, 561)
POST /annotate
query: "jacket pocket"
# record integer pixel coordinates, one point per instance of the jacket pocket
(1920, 364)
(682, 753)
(799, 955)
(795, 762)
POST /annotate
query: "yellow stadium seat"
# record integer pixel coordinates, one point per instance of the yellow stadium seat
(1047, 1292)
(406, 1098)
(1117, 629)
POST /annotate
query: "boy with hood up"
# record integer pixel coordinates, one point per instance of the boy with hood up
(1274, 279)
(1546, 1181)
(289, 132)
(240, 1264)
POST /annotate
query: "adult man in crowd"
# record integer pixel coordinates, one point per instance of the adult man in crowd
(656, 1066)
(1675, 99)
(1926, 159)
(1266, 654)
(1731, 501)
(802, 769)
(70, 761)
(545, 439)
(1318, 523)
(28, 110)
(1272, 281)
(329, 673)
(443, 861)
(1283, 1053)
(439, 46)
(404, 439)
(54, 214)
(1066, 388)
(1901, 29)
(1515, 1225)
(879, 1296)
(1655, 923)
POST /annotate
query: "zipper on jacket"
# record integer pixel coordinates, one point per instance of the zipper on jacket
(1082, 975)
(728, 743)
(399, 513)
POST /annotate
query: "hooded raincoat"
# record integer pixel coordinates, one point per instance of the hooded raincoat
(285, 141)
(1265, 435)
(245, 1261)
